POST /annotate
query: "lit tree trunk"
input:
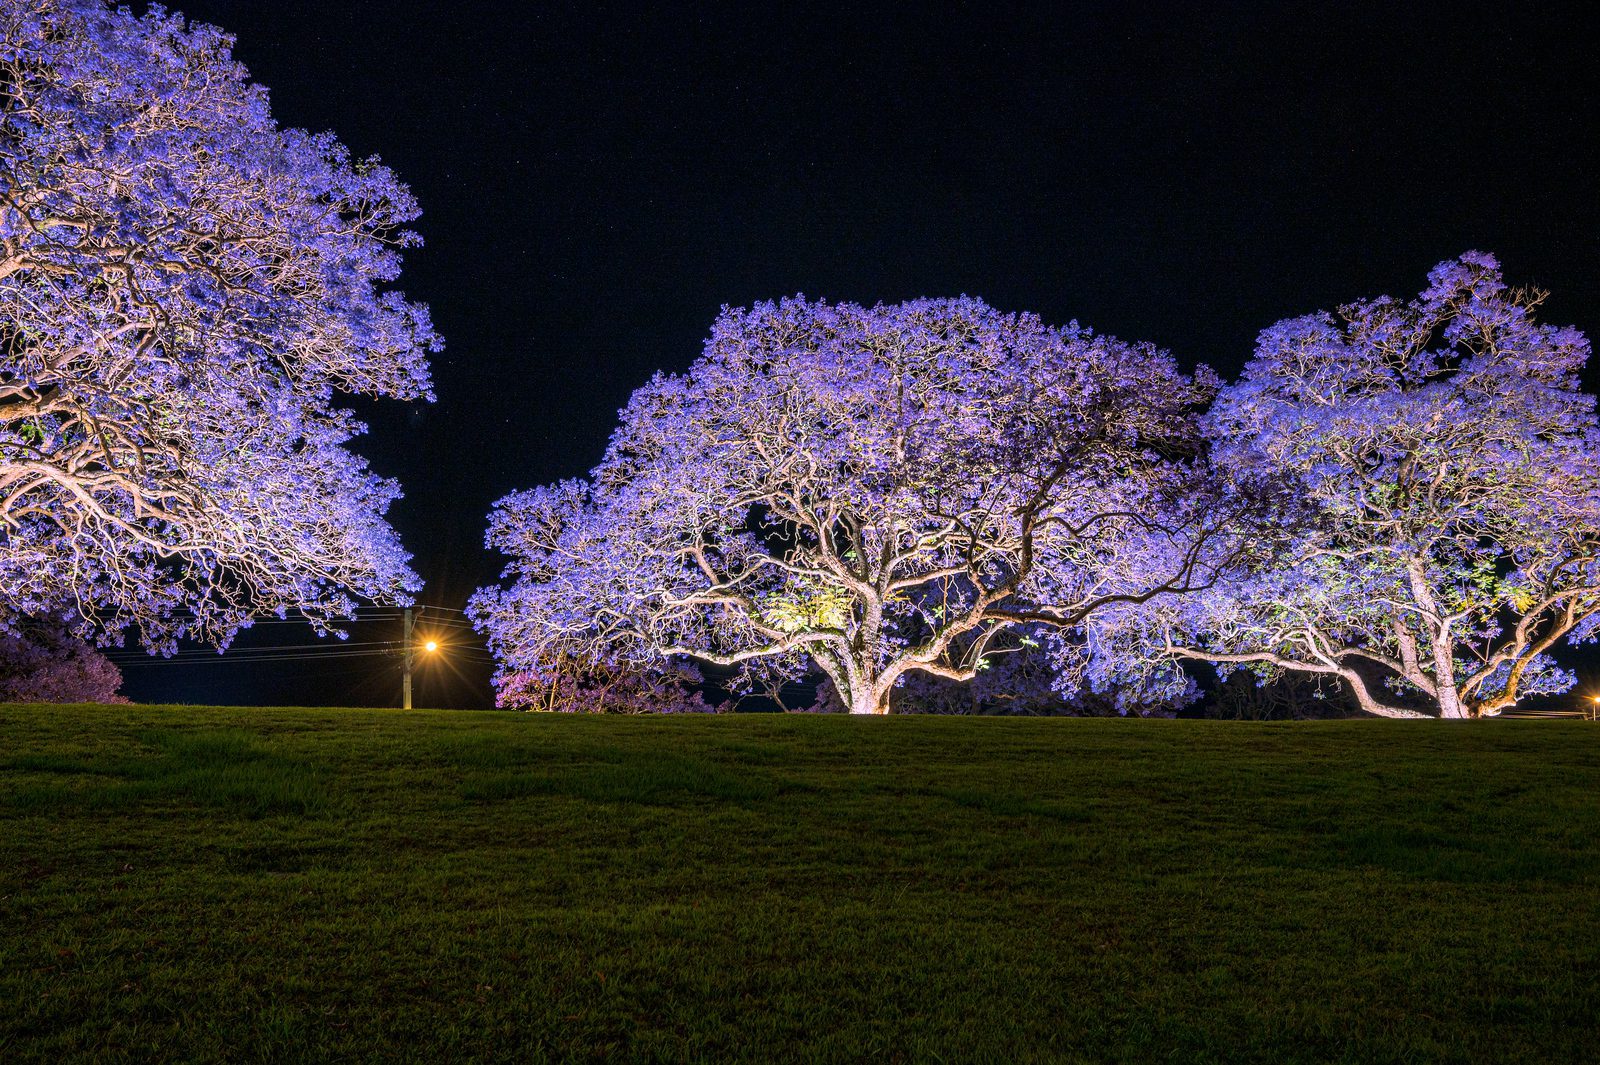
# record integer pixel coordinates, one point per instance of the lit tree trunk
(1447, 692)
(859, 689)
(1444, 669)
(866, 693)
(867, 701)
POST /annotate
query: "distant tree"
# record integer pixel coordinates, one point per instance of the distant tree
(1453, 465)
(1283, 696)
(570, 682)
(869, 492)
(1016, 677)
(43, 661)
(184, 286)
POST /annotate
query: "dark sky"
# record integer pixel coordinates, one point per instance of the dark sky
(598, 179)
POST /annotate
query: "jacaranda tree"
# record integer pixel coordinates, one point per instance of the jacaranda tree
(869, 492)
(184, 288)
(43, 661)
(570, 682)
(1453, 466)
(1021, 678)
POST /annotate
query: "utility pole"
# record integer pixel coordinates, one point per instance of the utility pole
(409, 651)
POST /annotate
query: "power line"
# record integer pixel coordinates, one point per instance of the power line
(310, 650)
(291, 657)
(211, 652)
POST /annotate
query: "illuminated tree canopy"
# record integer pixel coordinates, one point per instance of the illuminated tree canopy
(184, 289)
(869, 492)
(1453, 465)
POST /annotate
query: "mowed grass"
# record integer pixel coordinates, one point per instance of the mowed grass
(194, 884)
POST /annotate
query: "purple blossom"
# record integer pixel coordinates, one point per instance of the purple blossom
(571, 683)
(1451, 464)
(43, 661)
(867, 492)
(185, 287)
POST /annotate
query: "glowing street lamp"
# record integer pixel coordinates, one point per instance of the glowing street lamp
(408, 645)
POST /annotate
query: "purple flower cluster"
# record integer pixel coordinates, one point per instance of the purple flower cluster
(867, 492)
(1402, 498)
(1451, 467)
(573, 684)
(44, 661)
(185, 288)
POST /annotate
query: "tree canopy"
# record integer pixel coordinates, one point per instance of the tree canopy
(1402, 498)
(870, 492)
(184, 289)
(1453, 467)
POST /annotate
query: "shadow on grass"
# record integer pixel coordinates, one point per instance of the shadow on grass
(1453, 858)
(528, 752)
(656, 779)
(283, 857)
(227, 769)
(1003, 805)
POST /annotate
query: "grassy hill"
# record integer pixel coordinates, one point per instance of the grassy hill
(181, 883)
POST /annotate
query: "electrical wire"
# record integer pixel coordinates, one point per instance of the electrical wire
(156, 660)
(332, 650)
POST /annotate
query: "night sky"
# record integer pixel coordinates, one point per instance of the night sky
(597, 180)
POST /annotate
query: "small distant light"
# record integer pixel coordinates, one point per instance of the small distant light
(431, 645)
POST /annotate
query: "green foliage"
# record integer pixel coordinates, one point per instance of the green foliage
(209, 884)
(810, 604)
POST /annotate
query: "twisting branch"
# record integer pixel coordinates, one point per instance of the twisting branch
(872, 492)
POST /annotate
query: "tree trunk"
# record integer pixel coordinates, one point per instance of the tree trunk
(1440, 639)
(856, 687)
(1444, 676)
(1450, 703)
(866, 700)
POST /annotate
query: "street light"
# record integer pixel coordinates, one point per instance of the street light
(408, 650)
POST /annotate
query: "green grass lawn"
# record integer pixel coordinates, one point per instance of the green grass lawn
(194, 884)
